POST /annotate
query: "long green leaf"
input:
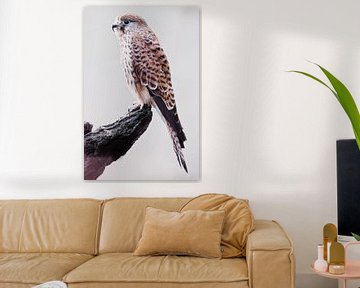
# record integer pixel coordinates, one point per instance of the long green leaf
(347, 102)
(344, 97)
(357, 237)
(357, 137)
(316, 79)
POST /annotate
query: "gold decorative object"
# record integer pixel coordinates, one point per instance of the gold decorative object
(337, 258)
(336, 269)
(330, 236)
(337, 253)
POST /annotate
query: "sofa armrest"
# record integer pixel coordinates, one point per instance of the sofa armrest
(269, 256)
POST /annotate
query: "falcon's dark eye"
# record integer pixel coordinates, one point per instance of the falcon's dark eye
(126, 22)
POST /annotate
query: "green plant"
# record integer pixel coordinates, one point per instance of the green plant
(344, 97)
(356, 236)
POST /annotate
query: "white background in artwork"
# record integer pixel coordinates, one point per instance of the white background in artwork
(107, 97)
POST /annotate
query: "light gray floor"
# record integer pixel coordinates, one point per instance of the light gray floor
(314, 281)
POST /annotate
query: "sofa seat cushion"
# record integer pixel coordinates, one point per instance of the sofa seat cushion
(36, 268)
(125, 267)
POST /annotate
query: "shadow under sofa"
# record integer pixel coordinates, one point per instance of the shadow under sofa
(90, 243)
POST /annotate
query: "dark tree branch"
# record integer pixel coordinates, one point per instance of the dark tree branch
(108, 143)
(87, 128)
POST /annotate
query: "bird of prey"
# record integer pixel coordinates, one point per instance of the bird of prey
(147, 74)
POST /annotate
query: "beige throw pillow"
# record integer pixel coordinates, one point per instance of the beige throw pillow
(239, 221)
(193, 232)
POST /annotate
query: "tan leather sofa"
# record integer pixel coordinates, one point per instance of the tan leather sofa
(89, 243)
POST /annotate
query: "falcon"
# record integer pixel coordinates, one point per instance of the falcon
(148, 76)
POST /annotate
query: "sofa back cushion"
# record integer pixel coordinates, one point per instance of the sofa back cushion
(123, 220)
(67, 226)
(238, 224)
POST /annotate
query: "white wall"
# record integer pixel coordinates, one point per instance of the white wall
(266, 135)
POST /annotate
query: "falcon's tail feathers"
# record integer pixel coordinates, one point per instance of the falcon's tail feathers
(172, 121)
(170, 117)
(177, 148)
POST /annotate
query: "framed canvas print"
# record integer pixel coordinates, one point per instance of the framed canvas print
(141, 93)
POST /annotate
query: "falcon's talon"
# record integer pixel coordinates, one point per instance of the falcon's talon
(134, 108)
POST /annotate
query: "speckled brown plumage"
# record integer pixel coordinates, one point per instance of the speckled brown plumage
(147, 73)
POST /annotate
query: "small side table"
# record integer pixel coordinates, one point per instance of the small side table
(352, 269)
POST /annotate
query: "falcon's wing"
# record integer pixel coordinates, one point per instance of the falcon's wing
(152, 68)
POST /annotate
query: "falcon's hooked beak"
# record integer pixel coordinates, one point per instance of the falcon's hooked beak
(118, 25)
